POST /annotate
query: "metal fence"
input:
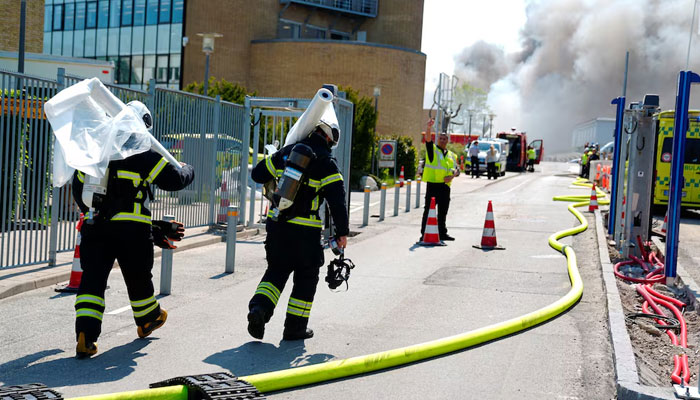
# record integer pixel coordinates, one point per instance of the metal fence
(37, 220)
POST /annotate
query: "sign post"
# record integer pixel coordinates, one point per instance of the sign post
(387, 155)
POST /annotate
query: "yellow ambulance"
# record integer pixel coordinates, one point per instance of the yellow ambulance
(662, 170)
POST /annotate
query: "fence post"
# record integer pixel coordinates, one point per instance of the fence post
(397, 194)
(418, 192)
(382, 202)
(408, 195)
(243, 179)
(365, 209)
(55, 198)
(256, 137)
(166, 264)
(232, 223)
(215, 142)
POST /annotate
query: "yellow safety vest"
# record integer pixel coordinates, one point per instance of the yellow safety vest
(531, 154)
(584, 159)
(440, 167)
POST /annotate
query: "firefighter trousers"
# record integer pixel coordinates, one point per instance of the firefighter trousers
(129, 243)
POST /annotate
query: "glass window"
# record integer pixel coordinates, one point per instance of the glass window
(288, 30)
(91, 20)
(164, 12)
(137, 40)
(139, 12)
(123, 70)
(692, 150)
(149, 46)
(152, 12)
(127, 12)
(67, 44)
(69, 19)
(174, 75)
(125, 41)
(312, 32)
(56, 44)
(162, 71)
(47, 43)
(101, 43)
(80, 16)
(115, 13)
(175, 38)
(149, 68)
(113, 42)
(78, 43)
(58, 17)
(90, 43)
(163, 39)
(48, 14)
(137, 69)
(178, 11)
(103, 14)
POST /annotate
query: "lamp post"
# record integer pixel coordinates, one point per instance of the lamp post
(22, 24)
(471, 114)
(377, 92)
(207, 48)
(491, 116)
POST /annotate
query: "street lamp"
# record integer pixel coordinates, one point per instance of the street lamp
(491, 116)
(471, 114)
(207, 48)
(377, 92)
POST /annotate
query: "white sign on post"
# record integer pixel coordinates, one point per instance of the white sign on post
(387, 153)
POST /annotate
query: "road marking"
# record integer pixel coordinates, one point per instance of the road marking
(548, 256)
(119, 310)
(362, 206)
(516, 186)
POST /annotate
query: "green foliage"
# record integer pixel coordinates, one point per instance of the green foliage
(363, 134)
(228, 91)
(474, 99)
(12, 93)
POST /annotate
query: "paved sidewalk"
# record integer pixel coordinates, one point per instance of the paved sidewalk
(22, 279)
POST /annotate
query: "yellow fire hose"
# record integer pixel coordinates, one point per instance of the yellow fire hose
(293, 377)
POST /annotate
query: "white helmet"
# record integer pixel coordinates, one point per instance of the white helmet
(143, 112)
(329, 125)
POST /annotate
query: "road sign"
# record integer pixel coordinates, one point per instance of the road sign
(387, 153)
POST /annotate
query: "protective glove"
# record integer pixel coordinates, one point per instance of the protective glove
(164, 231)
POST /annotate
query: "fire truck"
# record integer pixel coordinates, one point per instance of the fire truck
(517, 157)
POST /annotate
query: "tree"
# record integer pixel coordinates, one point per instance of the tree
(471, 98)
(363, 133)
(228, 91)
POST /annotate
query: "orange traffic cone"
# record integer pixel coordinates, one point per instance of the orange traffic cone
(431, 237)
(401, 178)
(76, 272)
(664, 226)
(223, 204)
(488, 238)
(593, 205)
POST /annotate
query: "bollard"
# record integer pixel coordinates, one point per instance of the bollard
(418, 193)
(408, 195)
(231, 226)
(365, 211)
(397, 194)
(382, 202)
(166, 265)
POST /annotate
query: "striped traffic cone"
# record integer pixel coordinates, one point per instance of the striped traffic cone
(663, 227)
(593, 205)
(223, 204)
(76, 272)
(401, 180)
(431, 237)
(488, 238)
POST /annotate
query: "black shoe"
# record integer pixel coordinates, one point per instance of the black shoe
(256, 323)
(297, 335)
(446, 237)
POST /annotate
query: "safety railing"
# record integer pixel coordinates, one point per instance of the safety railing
(367, 8)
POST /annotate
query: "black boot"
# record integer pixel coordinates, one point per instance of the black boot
(256, 323)
(295, 329)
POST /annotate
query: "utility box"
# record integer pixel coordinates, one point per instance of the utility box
(639, 127)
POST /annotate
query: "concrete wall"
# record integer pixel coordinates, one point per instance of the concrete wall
(34, 28)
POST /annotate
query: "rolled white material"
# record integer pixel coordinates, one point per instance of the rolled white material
(301, 129)
(156, 146)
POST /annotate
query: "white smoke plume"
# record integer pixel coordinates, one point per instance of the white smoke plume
(572, 63)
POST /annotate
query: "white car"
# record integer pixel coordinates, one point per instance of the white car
(501, 146)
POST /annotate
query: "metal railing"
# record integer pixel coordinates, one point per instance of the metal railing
(367, 8)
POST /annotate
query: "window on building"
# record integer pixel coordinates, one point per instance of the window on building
(175, 38)
(178, 11)
(163, 39)
(162, 71)
(58, 17)
(113, 42)
(47, 43)
(101, 43)
(151, 12)
(164, 17)
(125, 41)
(136, 69)
(123, 69)
(149, 68)
(137, 40)
(288, 30)
(56, 43)
(90, 42)
(103, 14)
(67, 48)
(174, 75)
(335, 35)
(48, 18)
(149, 44)
(312, 32)
(115, 13)
(80, 16)
(139, 12)
(91, 20)
(78, 43)
(69, 19)
(127, 12)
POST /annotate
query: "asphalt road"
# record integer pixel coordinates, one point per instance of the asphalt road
(399, 295)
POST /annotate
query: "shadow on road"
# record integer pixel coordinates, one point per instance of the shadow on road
(258, 357)
(112, 365)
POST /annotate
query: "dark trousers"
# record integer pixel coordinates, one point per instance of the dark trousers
(131, 244)
(475, 166)
(531, 165)
(290, 249)
(441, 192)
(491, 170)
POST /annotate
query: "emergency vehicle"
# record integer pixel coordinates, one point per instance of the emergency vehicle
(517, 157)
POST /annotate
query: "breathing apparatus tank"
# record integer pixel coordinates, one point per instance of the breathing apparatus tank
(294, 173)
(94, 193)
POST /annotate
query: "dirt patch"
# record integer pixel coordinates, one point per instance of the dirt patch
(652, 346)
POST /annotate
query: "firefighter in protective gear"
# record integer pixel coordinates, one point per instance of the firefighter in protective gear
(531, 157)
(120, 229)
(293, 242)
(438, 173)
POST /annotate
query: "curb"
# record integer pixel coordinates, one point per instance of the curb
(627, 377)
(56, 275)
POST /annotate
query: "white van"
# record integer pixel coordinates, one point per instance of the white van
(501, 146)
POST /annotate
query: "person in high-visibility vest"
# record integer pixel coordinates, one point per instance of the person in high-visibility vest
(438, 174)
(584, 163)
(531, 157)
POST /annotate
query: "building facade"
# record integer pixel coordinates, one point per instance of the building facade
(598, 130)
